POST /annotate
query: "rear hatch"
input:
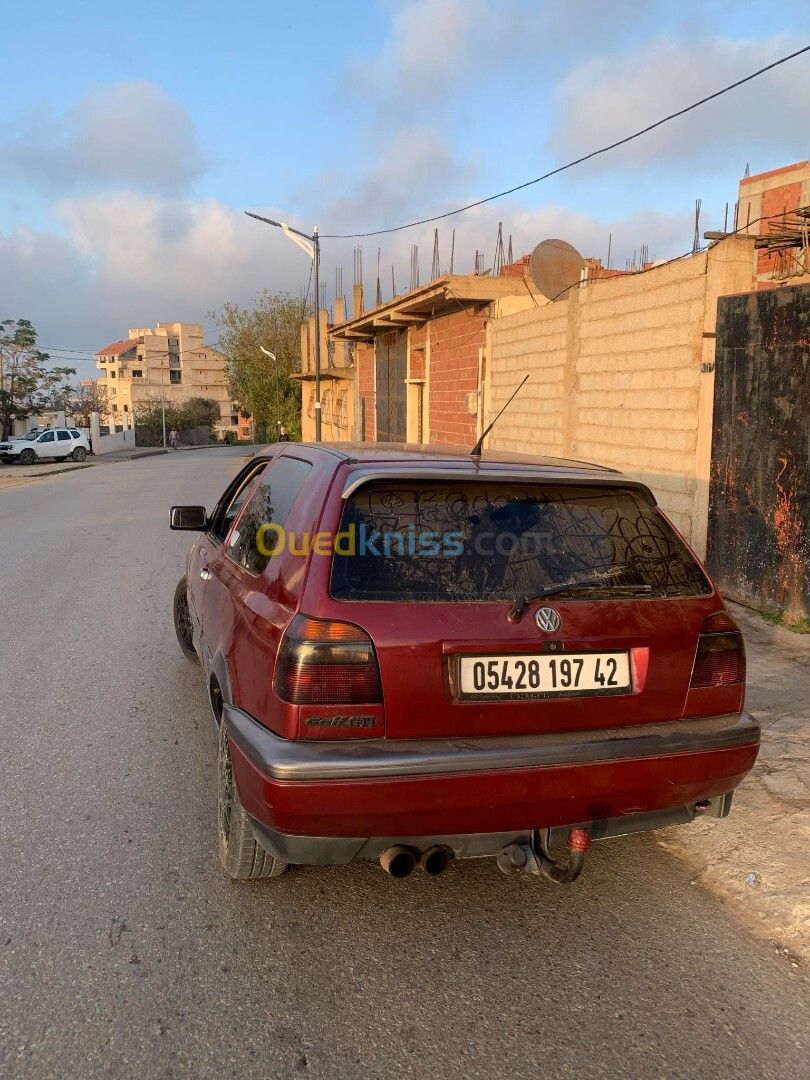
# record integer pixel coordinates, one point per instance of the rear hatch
(504, 606)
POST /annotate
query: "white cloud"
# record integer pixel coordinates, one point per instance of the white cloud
(129, 134)
(133, 260)
(603, 100)
(429, 44)
(435, 49)
(409, 169)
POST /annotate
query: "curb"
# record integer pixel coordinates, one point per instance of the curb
(103, 459)
(55, 472)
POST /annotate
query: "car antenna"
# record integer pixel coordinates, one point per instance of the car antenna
(477, 449)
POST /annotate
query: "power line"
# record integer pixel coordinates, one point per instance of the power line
(578, 161)
(60, 349)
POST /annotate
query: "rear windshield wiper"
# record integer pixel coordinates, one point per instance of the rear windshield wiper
(517, 609)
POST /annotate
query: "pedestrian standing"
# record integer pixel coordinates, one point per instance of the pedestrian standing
(283, 435)
(173, 438)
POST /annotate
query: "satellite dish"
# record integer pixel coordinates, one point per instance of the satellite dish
(556, 267)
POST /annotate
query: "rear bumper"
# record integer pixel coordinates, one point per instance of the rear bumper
(382, 788)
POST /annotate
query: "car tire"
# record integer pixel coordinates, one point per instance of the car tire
(183, 626)
(27, 457)
(242, 858)
(79, 454)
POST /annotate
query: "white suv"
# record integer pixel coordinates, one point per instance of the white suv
(52, 443)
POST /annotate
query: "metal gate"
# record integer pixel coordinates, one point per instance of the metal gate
(759, 495)
(391, 354)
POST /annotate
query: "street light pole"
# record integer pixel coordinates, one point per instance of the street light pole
(162, 404)
(311, 245)
(316, 258)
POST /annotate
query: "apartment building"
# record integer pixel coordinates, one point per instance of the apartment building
(170, 363)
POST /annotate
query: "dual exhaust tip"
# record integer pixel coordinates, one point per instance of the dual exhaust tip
(400, 861)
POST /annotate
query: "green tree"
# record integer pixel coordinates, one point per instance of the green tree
(56, 392)
(199, 412)
(149, 414)
(264, 389)
(20, 366)
(196, 412)
(27, 385)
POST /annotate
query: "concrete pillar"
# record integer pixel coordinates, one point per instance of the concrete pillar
(341, 348)
(305, 364)
(357, 301)
(95, 432)
(311, 347)
(324, 314)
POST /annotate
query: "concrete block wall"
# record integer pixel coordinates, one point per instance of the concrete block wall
(622, 375)
(638, 380)
(531, 342)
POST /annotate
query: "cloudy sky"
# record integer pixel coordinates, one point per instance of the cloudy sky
(133, 136)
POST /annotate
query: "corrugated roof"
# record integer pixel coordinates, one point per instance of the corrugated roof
(119, 347)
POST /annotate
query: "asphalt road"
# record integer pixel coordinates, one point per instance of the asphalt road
(125, 952)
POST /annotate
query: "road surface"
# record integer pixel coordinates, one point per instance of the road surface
(125, 952)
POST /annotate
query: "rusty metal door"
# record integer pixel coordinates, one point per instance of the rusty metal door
(759, 495)
(392, 362)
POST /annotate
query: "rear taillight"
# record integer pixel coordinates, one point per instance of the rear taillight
(720, 657)
(323, 662)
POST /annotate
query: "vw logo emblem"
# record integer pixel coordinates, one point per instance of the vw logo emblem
(547, 620)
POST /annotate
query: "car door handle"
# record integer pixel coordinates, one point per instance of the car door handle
(205, 574)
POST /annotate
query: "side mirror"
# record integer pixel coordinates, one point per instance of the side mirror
(192, 518)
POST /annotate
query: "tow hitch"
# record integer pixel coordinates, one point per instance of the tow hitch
(534, 858)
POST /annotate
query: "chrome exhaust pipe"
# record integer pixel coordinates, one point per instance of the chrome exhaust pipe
(398, 861)
(435, 860)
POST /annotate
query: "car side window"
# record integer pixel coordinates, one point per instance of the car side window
(63, 436)
(76, 434)
(234, 499)
(46, 437)
(269, 504)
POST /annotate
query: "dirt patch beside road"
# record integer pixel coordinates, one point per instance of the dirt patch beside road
(758, 858)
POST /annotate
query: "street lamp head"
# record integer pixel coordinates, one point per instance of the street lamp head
(311, 245)
(266, 220)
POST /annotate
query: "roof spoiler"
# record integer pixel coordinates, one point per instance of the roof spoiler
(413, 473)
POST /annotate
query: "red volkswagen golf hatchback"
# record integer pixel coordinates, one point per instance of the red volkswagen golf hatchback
(416, 655)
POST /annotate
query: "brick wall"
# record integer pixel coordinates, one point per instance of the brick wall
(516, 269)
(364, 363)
(619, 376)
(455, 340)
(416, 341)
(775, 201)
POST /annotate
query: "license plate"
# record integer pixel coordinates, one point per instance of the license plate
(532, 675)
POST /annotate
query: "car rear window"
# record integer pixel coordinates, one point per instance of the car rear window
(492, 541)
